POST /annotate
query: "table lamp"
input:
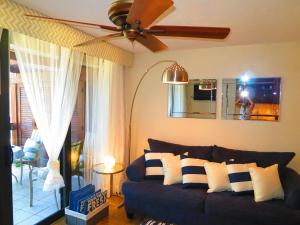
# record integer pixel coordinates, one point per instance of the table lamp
(109, 162)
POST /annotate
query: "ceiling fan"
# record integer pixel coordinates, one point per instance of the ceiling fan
(133, 18)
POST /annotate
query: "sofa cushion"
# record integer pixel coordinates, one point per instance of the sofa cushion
(136, 170)
(291, 186)
(263, 159)
(172, 196)
(202, 152)
(244, 208)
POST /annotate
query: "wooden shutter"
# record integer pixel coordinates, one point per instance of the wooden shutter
(25, 122)
(78, 119)
(25, 117)
(13, 113)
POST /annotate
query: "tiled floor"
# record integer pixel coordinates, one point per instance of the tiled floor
(43, 202)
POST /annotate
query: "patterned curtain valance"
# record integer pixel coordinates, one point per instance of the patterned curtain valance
(12, 17)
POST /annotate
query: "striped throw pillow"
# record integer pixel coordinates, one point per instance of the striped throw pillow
(239, 177)
(193, 172)
(153, 164)
(31, 149)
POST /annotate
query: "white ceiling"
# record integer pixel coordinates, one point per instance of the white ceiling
(251, 21)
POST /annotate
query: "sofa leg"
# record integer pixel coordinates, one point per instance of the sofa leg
(130, 215)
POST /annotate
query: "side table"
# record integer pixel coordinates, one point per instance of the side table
(100, 169)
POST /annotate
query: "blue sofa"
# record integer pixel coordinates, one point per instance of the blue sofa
(181, 206)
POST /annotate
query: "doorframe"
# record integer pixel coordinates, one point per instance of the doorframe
(6, 203)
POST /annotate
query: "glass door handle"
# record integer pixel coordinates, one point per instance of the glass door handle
(11, 155)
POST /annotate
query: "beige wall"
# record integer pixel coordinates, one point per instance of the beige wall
(150, 112)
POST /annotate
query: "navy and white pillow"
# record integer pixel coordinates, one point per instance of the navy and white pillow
(239, 177)
(153, 164)
(193, 172)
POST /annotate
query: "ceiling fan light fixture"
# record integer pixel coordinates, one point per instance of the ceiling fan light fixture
(133, 18)
(175, 74)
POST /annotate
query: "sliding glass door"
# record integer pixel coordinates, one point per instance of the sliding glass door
(29, 168)
(5, 149)
(31, 205)
(22, 199)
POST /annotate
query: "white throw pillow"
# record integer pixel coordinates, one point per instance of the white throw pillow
(266, 183)
(217, 177)
(172, 169)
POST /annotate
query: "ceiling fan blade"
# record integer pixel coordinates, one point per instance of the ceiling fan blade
(146, 11)
(151, 42)
(187, 31)
(74, 22)
(99, 39)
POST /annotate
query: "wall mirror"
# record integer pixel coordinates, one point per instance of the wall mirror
(251, 98)
(197, 99)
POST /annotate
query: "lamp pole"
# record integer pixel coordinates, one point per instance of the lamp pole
(133, 101)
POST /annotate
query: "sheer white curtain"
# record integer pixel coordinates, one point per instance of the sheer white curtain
(50, 74)
(105, 119)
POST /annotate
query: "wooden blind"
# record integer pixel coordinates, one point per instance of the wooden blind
(25, 117)
(78, 119)
(22, 118)
(26, 122)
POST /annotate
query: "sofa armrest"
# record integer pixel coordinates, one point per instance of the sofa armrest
(136, 170)
(291, 185)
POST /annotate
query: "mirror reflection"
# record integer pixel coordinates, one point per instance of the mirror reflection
(197, 99)
(251, 98)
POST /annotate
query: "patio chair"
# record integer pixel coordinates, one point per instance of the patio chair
(17, 155)
(31, 150)
(31, 157)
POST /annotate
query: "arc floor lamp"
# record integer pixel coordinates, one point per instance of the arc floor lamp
(174, 74)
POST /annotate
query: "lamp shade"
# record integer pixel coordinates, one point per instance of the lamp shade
(175, 74)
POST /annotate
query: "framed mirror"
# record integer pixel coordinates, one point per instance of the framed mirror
(251, 98)
(197, 99)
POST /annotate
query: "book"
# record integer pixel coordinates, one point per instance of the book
(79, 194)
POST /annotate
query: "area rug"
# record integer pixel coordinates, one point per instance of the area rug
(155, 222)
